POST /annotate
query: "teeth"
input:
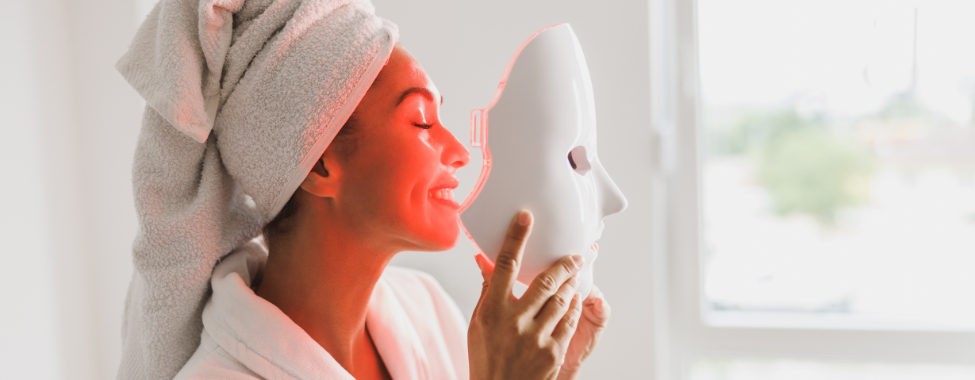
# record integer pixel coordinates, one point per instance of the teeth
(443, 194)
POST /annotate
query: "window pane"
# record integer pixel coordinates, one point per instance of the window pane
(839, 174)
(786, 369)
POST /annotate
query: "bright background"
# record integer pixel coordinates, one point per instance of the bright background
(837, 189)
(840, 147)
(70, 123)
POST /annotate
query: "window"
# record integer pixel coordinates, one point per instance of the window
(838, 172)
(822, 196)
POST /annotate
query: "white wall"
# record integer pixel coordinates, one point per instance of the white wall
(70, 124)
(464, 46)
(67, 217)
(28, 328)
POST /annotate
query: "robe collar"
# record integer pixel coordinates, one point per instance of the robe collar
(262, 338)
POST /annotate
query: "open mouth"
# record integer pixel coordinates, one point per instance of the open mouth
(444, 195)
(443, 191)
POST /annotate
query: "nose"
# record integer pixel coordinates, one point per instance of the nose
(610, 197)
(454, 153)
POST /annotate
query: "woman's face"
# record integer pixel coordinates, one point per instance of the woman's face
(398, 180)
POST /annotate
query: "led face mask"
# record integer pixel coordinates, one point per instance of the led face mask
(543, 137)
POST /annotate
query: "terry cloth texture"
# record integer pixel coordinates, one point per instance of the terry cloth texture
(242, 98)
(418, 330)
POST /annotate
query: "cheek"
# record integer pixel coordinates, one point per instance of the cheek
(380, 184)
(413, 169)
(399, 186)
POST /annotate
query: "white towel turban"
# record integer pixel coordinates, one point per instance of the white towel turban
(242, 99)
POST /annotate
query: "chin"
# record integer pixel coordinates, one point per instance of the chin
(446, 245)
(440, 238)
(447, 238)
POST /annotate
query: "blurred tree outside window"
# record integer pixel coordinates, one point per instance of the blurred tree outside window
(839, 166)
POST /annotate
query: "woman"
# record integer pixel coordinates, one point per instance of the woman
(324, 305)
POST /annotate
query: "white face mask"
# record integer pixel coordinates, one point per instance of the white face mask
(543, 140)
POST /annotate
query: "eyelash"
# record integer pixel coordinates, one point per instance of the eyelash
(424, 126)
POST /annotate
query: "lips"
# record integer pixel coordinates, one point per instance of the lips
(444, 191)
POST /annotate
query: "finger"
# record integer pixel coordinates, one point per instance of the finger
(484, 264)
(508, 263)
(593, 295)
(601, 310)
(567, 326)
(596, 314)
(556, 306)
(548, 282)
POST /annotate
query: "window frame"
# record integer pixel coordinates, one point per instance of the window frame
(684, 331)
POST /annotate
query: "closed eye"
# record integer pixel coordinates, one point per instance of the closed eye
(424, 126)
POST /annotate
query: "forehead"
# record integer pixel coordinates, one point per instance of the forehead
(402, 76)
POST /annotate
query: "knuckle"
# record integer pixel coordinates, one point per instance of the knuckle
(560, 301)
(538, 338)
(567, 264)
(550, 355)
(505, 262)
(532, 338)
(512, 329)
(547, 283)
(571, 321)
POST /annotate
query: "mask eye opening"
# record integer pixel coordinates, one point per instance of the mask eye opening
(579, 161)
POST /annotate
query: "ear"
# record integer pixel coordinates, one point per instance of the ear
(325, 177)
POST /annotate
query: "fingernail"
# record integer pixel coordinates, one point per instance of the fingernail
(575, 277)
(523, 217)
(577, 259)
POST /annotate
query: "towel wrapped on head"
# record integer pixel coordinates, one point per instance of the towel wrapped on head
(242, 97)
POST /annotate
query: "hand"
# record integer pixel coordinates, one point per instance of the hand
(525, 338)
(595, 317)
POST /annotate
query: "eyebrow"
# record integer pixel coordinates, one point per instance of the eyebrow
(418, 90)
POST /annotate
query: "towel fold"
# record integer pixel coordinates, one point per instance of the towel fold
(242, 98)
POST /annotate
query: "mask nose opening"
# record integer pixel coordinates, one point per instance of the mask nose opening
(579, 161)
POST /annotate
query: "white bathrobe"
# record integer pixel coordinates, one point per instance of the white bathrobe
(418, 330)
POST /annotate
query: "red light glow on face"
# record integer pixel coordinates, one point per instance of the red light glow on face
(399, 180)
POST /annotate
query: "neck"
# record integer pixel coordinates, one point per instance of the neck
(323, 279)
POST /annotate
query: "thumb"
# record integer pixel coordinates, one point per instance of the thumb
(598, 310)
